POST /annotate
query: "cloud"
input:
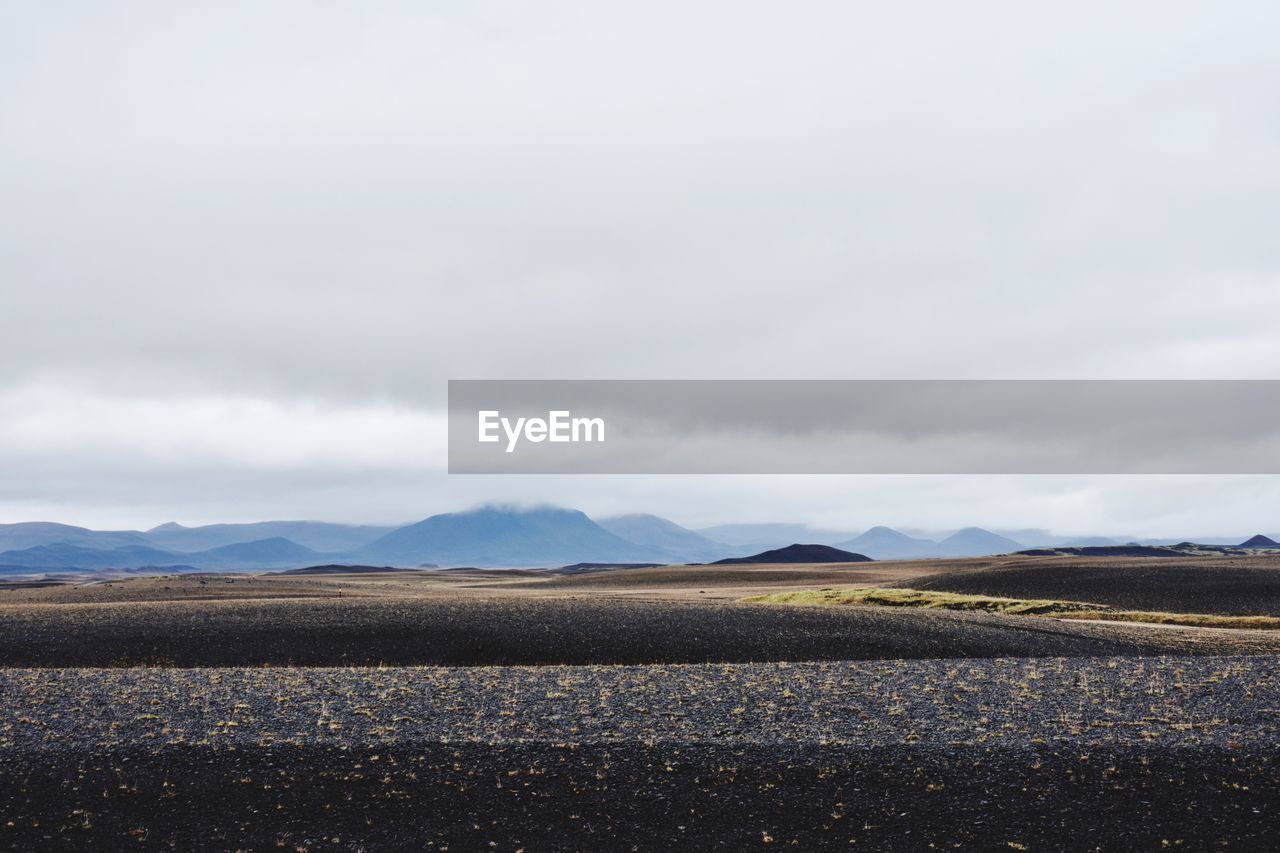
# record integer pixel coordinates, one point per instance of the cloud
(349, 205)
(248, 433)
(133, 460)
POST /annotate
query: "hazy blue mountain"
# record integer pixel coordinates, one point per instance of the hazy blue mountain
(976, 542)
(263, 554)
(760, 536)
(169, 539)
(1260, 541)
(504, 536)
(317, 535)
(885, 543)
(1028, 536)
(490, 536)
(1199, 540)
(29, 534)
(1090, 542)
(652, 531)
(60, 556)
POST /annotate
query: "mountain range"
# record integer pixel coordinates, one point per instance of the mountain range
(505, 536)
(487, 536)
(885, 543)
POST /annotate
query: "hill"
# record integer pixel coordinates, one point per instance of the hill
(885, 543)
(1259, 541)
(761, 536)
(264, 554)
(652, 531)
(976, 542)
(316, 535)
(31, 534)
(260, 554)
(61, 556)
(336, 569)
(591, 567)
(1090, 542)
(506, 536)
(797, 554)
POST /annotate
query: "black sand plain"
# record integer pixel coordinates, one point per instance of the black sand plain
(1227, 586)
(200, 714)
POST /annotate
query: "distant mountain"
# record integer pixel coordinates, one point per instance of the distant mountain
(797, 554)
(501, 537)
(505, 536)
(885, 543)
(976, 542)
(30, 534)
(62, 556)
(316, 535)
(1202, 540)
(1088, 542)
(770, 535)
(264, 554)
(1028, 536)
(652, 531)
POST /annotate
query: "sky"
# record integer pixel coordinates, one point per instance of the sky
(243, 245)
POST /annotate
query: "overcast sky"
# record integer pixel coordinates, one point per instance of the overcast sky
(243, 245)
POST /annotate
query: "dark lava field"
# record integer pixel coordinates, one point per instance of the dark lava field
(1225, 586)
(470, 632)
(1054, 753)
(632, 710)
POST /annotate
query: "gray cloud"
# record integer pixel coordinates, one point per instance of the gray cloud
(348, 205)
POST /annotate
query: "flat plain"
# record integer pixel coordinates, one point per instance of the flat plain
(627, 709)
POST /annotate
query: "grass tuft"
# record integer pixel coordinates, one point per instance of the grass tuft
(924, 598)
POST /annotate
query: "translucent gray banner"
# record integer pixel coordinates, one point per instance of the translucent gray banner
(864, 427)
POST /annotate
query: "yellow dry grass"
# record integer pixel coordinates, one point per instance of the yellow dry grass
(1051, 608)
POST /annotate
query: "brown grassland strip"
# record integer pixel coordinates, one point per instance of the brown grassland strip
(1050, 608)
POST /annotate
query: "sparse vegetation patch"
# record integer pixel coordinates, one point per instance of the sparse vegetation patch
(1052, 608)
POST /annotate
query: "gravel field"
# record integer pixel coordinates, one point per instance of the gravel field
(1054, 753)
(384, 713)
(473, 631)
(1228, 586)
